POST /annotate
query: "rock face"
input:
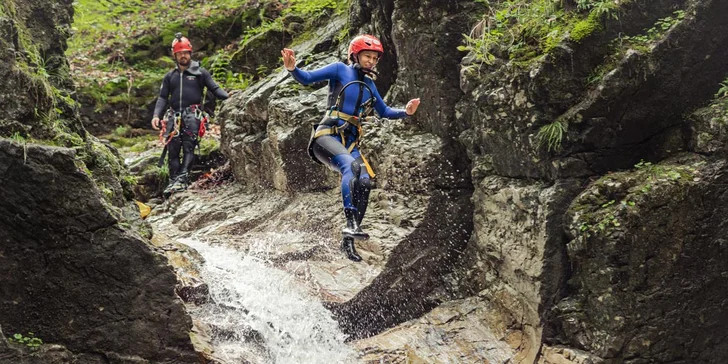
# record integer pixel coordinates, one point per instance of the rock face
(87, 282)
(74, 271)
(28, 35)
(611, 125)
(634, 278)
(265, 133)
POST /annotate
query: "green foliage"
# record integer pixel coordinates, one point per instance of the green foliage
(586, 27)
(640, 42)
(39, 72)
(18, 138)
(121, 131)
(552, 135)
(521, 30)
(516, 29)
(131, 180)
(659, 173)
(312, 8)
(29, 341)
(617, 196)
(222, 71)
(600, 8)
(209, 145)
(163, 172)
(723, 90)
(22, 140)
(654, 33)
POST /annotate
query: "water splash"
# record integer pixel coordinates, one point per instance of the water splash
(261, 315)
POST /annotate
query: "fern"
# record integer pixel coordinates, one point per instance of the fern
(723, 91)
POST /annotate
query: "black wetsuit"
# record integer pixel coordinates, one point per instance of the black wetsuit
(180, 91)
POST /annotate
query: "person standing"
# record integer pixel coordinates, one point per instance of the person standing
(184, 120)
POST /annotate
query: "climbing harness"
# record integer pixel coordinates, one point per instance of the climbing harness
(196, 112)
(350, 121)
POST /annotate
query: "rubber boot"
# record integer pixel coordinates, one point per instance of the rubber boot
(352, 229)
(168, 190)
(347, 246)
(180, 183)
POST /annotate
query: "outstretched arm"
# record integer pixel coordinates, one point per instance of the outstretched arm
(329, 72)
(390, 113)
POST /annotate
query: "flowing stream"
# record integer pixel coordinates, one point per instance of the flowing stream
(260, 314)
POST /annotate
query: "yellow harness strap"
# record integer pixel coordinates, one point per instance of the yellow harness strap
(353, 120)
(369, 168)
(346, 117)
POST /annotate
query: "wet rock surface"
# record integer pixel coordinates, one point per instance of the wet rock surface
(648, 264)
(88, 282)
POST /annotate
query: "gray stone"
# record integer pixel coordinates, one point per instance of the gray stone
(89, 284)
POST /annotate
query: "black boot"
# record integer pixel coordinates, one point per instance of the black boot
(180, 183)
(347, 246)
(168, 189)
(352, 229)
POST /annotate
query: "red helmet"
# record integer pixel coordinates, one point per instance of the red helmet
(181, 44)
(364, 42)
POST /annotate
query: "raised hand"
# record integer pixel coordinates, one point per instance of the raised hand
(289, 59)
(412, 105)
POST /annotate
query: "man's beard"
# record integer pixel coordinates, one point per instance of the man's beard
(184, 61)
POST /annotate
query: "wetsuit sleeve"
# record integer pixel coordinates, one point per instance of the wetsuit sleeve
(161, 105)
(329, 72)
(211, 85)
(382, 109)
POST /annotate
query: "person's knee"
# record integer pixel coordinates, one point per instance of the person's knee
(188, 145)
(365, 183)
(355, 169)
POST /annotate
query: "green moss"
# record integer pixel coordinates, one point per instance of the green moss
(586, 27)
(605, 205)
(209, 145)
(170, 30)
(134, 144)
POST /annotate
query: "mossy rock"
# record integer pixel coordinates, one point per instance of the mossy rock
(586, 27)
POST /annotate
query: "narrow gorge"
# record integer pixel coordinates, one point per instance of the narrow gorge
(557, 198)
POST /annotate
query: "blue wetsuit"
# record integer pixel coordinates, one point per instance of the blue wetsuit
(329, 149)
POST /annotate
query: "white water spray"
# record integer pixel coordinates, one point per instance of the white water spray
(262, 316)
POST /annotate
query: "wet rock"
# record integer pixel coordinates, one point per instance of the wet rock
(647, 263)
(265, 129)
(453, 332)
(90, 284)
(564, 355)
(198, 295)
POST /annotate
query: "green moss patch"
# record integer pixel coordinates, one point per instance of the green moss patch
(619, 197)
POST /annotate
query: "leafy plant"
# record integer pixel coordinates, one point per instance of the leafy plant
(163, 172)
(655, 32)
(222, 71)
(20, 139)
(30, 340)
(723, 91)
(121, 131)
(552, 135)
(523, 30)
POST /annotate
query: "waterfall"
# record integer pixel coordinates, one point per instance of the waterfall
(261, 315)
